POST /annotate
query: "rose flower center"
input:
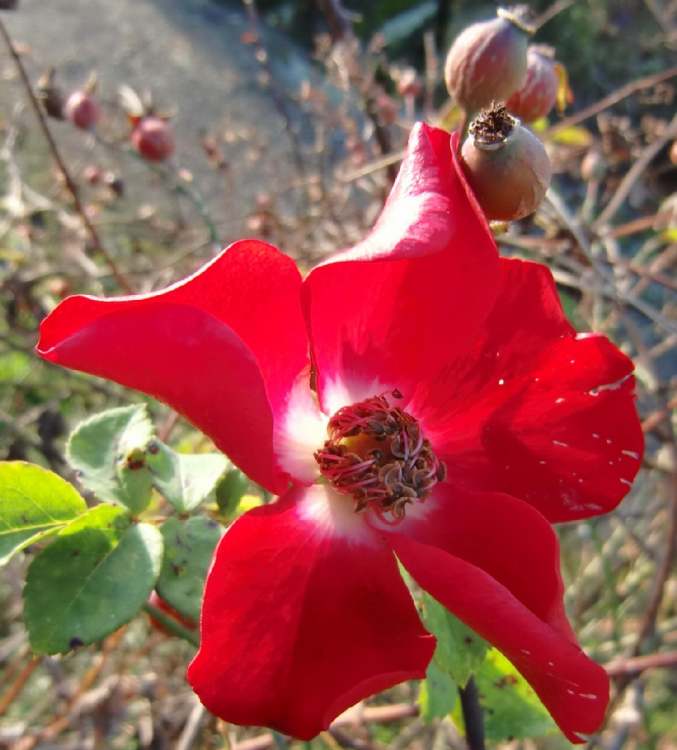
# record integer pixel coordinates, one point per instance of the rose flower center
(377, 453)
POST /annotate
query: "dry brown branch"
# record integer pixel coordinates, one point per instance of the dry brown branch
(56, 154)
(555, 9)
(648, 623)
(68, 715)
(633, 174)
(613, 98)
(13, 691)
(370, 715)
(638, 664)
(192, 728)
(610, 288)
(642, 224)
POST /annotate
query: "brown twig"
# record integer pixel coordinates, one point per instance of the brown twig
(353, 743)
(63, 721)
(337, 18)
(381, 134)
(658, 416)
(624, 297)
(278, 100)
(13, 691)
(613, 98)
(68, 180)
(549, 13)
(633, 174)
(168, 425)
(638, 664)
(374, 166)
(641, 224)
(192, 728)
(648, 623)
(341, 28)
(371, 715)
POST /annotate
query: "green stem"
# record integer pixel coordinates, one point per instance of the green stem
(172, 625)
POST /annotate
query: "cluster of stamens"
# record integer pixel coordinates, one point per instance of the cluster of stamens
(376, 453)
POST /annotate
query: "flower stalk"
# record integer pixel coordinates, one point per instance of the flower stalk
(472, 715)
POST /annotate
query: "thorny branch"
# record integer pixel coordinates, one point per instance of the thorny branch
(68, 180)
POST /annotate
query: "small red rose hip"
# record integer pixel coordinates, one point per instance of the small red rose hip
(505, 164)
(488, 61)
(538, 94)
(153, 139)
(157, 601)
(82, 110)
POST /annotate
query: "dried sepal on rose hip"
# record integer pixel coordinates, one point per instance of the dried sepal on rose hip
(488, 60)
(50, 94)
(506, 165)
(538, 95)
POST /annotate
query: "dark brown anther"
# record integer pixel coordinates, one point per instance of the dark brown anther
(401, 470)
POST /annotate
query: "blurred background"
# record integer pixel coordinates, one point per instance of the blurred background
(289, 120)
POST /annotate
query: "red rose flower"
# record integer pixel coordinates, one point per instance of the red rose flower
(414, 395)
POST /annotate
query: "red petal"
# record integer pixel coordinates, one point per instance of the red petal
(222, 347)
(501, 535)
(572, 687)
(427, 286)
(535, 410)
(304, 614)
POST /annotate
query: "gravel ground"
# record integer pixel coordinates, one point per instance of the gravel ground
(189, 53)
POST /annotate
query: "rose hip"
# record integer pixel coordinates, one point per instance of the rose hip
(488, 61)
(538, 94)
(82, 110)
(506, 165)
(153, 138)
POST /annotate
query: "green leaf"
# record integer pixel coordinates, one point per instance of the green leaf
(229, 492)
(189, 546)
(512, 709)
(437, 694)
(109, 452)
(14, 366)
(92, 579)
(34, 503)
(185, 479)
(460, 651)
